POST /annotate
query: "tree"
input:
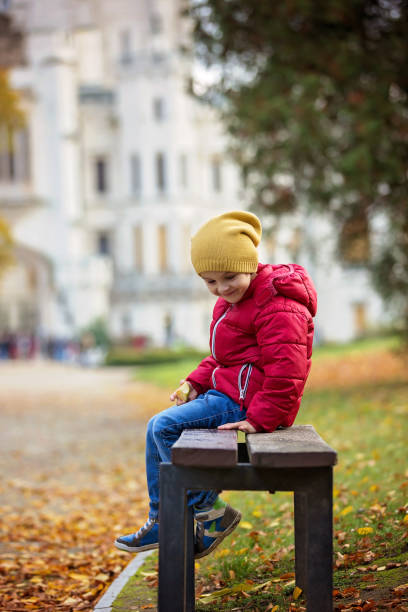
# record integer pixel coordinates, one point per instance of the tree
(314, 94)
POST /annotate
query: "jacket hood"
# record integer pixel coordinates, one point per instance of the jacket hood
(289, 280)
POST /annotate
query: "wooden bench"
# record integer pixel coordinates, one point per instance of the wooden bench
(293, 459)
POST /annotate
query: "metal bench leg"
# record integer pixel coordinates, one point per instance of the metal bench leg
(300, 539)
(176, 560)
(319, 538)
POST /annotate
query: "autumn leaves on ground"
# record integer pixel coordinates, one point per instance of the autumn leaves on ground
(72, 478)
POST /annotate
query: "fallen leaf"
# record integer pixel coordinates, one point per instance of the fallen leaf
(296, 593)
(364, 530)
(287, 576)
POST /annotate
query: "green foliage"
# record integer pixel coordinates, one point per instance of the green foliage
(316, 92)
(137, 357)
(96, 333)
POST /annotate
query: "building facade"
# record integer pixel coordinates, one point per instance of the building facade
(115, 169)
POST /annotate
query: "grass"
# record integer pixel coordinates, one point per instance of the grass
(364, 417)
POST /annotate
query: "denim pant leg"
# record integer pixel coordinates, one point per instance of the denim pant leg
(208, 411)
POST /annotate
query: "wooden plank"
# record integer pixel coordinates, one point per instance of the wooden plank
(297, 446)
(206, 448)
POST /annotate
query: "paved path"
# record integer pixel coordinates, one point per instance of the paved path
(57, 421)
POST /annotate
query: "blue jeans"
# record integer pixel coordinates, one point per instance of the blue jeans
(208, 411)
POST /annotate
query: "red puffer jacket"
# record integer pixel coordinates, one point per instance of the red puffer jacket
(261, 347)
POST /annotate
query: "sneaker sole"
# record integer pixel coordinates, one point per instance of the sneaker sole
(135, 549)
(220, 538)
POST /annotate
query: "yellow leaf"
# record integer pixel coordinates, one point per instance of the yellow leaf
(242, 551)
(257, 513)
(82, 577)
(346, 510)
(222, 553)
(364, 530)
(296, 593)
(197, 566)
(381, 569)
(405, 519)
(209, 597)
(102, 577)
(246, 525)
(374, 488)
(241, 436)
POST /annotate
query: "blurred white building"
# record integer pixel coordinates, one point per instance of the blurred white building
(117, 167)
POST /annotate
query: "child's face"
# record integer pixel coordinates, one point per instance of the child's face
(229, 285)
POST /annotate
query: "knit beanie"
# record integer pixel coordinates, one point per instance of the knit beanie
(227, 243)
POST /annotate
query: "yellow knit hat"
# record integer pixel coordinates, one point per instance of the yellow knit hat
(227, 243)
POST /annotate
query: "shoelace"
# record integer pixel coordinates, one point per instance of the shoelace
(145, 527)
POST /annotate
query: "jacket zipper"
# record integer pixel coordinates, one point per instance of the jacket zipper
(215, 329)
(244, 388)
(214, 382)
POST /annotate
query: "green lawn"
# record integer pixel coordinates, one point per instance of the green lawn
(367, 425)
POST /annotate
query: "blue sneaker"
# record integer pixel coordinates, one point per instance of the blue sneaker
(146, 538)
(212, 527)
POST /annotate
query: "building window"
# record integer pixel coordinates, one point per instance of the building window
(103, 244)
(244, 176)
(158, 109)
(360, 318)
(185, 239)
(135, 174)
(138, 248)
(162, 245)
(161, 172)
(156, 23)
(216, 175)
(14, 155)
(101, 172)
(125, 42)
(354, 243)
(183, 171)
(126, 324)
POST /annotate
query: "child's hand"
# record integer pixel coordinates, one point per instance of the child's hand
(192, 394)
(241, 425)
